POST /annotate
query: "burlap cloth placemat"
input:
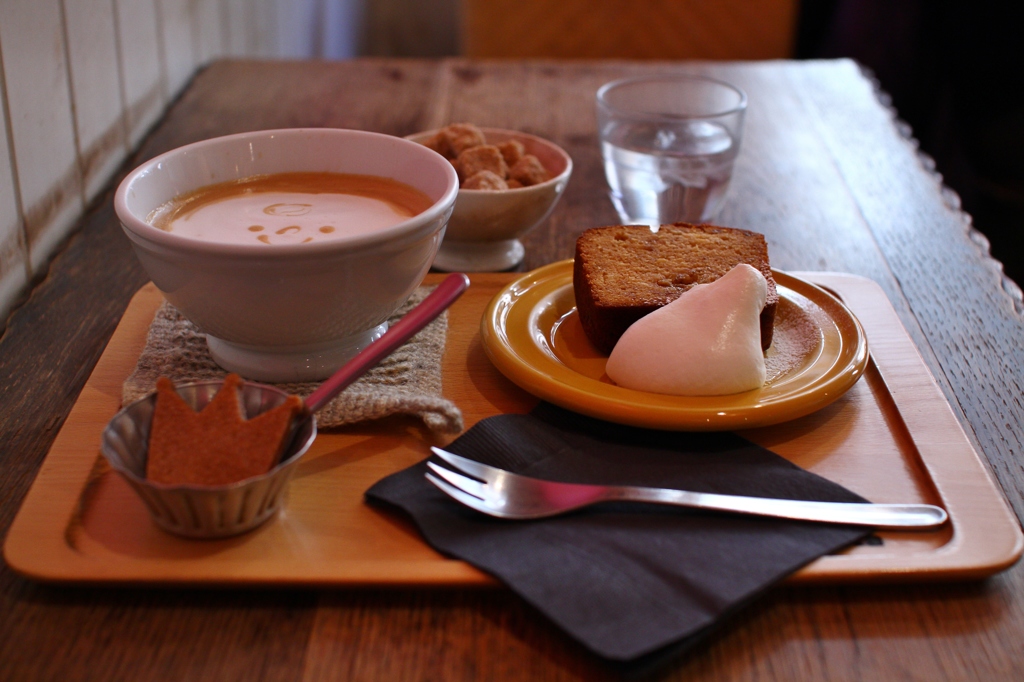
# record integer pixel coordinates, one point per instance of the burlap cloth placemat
(406, 382)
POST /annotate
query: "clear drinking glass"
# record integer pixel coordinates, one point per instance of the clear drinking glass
(669, 143)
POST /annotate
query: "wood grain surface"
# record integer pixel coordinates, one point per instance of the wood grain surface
(824, 173)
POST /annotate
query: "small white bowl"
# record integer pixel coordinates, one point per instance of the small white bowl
(288, 312)
(204, 511)
(483, 232)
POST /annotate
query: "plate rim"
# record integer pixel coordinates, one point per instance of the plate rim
(673, 413)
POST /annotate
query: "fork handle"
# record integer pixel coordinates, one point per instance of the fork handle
(865, 514)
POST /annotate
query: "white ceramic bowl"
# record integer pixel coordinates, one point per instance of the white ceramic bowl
(288, 312)
(483, 232)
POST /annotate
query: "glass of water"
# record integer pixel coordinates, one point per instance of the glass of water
(669, 143)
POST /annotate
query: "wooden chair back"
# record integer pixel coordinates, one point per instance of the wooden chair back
(630, 29)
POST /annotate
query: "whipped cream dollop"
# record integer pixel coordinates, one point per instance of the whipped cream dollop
(706, 342)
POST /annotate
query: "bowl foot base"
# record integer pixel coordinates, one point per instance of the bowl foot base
(286, 364)
(456, 256)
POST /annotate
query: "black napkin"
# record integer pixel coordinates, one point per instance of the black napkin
(625, 579)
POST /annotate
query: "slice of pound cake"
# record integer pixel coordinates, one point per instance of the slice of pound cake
(624, 272)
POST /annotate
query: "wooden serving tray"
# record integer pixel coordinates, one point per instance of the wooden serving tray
(892, 438)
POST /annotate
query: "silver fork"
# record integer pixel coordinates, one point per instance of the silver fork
(507, 495)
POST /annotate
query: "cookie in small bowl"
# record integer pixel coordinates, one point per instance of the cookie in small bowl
(510, 182)
(210, 459)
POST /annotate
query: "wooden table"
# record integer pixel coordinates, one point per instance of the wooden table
(826, 173)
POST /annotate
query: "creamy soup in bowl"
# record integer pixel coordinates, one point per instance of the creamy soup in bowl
(290, 208)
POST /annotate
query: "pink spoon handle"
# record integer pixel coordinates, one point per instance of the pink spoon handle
(403, 330)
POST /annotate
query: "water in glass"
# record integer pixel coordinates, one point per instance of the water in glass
(667, 173)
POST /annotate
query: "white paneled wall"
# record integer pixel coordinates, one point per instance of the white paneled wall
(82, 81)
(178, 41)
(13, 271)
(141, 76)
(42, 127)
(95, 89)
(208, 19)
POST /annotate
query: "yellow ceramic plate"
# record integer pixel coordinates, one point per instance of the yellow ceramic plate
(533, 336)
